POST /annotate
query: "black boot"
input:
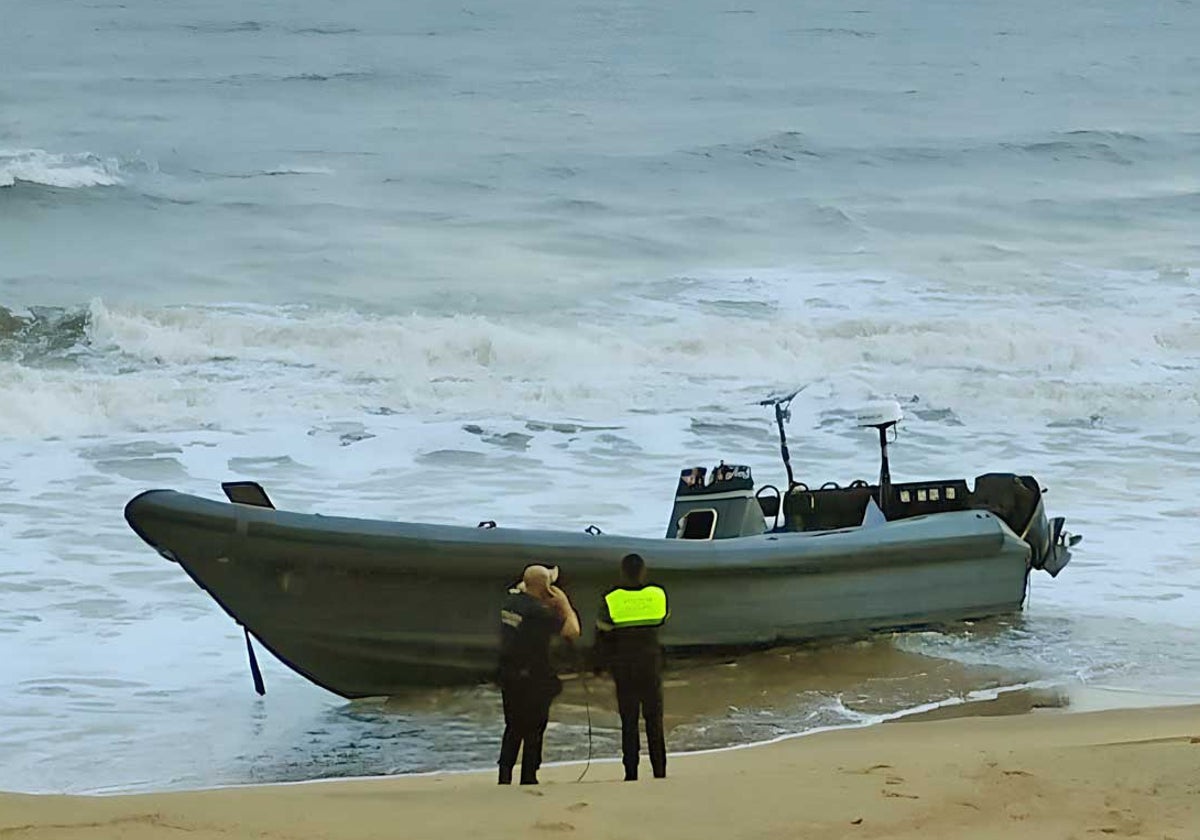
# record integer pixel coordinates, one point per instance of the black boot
(506, 775)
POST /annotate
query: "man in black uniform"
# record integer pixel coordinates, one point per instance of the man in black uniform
(627, 642)
(534, 611)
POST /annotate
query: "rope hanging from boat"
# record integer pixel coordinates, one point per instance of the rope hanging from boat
(580, 665)
(587, 706)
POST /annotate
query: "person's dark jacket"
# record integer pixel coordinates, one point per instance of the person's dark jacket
(526, 628)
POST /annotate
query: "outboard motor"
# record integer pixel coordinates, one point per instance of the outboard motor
(720, 508)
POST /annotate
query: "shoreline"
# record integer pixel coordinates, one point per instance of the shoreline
(1011, 699)
(990, 771)
(1018, 699)
(1002, 701)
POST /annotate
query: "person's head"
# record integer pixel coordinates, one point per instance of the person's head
(633, 569)
(536, 580)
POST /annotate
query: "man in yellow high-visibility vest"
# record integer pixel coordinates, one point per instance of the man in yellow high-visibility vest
(627, 643)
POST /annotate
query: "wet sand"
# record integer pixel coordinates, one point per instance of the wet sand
(987, 773)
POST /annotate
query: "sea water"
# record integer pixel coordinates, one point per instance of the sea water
(507, 261)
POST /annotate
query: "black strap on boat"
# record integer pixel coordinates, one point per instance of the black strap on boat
(254, 672)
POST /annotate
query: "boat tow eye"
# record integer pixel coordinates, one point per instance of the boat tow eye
(593, 530)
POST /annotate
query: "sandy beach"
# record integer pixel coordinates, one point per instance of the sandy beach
(1048, 774)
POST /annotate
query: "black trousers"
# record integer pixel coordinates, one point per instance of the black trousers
(639, 693)
(526, 712)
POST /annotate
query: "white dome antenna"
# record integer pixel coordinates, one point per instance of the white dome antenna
(882, 416)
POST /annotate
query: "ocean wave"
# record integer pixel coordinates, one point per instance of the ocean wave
(241, 26)
(1137, 362)
(1087, 145)
(781, 147)
(341, 76)
(327, 29)
(793, 148)
(240, 79)
(835, 31)
(44, 333)
(68, 171)
(225, 27)
(1083, 147)
(281, 170)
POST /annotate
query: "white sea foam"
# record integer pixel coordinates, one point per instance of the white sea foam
(1135, 362)
(69, 171)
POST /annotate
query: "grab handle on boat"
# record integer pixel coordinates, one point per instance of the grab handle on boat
(770, 505)
(593, 530)
(487, 523)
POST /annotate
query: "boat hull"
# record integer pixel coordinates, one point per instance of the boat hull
(366, 607)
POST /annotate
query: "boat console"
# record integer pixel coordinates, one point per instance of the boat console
(724, 504)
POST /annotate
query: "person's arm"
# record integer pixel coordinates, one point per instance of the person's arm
(602, 646)
(603, 618)
(571, 629)
(570, 619)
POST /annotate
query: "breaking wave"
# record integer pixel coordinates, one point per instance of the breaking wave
(67, 171)
(41, 333)
(199, 365)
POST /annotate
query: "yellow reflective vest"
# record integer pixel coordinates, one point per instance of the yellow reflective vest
(645, 607)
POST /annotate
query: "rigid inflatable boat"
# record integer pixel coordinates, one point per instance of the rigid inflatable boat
(368, 607)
